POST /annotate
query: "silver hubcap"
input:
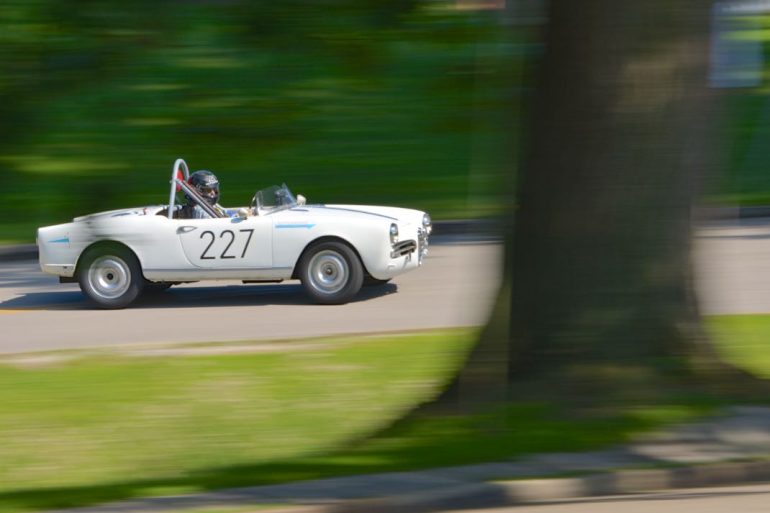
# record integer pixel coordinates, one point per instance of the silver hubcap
(109, 277)
(328, 272)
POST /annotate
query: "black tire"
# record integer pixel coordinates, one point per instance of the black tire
(369, 281)
(110, 276)
(331, 273)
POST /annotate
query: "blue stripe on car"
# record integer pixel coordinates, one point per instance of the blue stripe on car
(308, 226)
(65, 240)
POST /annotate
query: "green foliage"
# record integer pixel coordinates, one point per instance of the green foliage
(402, 102)
(346, 101)
(744, 179)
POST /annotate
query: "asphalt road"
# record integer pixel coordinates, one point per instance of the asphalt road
(727, 499)
(732, 262)
(455, 287)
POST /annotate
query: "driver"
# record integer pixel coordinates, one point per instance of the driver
(207, 184)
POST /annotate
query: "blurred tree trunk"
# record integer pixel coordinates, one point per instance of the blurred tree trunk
(618, 136)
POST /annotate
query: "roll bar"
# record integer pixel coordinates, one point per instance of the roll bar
(179, 165)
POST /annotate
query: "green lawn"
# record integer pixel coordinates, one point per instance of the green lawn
(744, 340)
(88, 427)
(80, 428)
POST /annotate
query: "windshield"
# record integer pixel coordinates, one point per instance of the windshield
(274, 198)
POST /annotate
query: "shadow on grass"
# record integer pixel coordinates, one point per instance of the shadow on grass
(416, 443)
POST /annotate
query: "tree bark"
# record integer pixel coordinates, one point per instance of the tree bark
(619, 138)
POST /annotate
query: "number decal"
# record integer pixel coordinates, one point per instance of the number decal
(245, 247)
(203, 255)
(232, 238)
(224, 255)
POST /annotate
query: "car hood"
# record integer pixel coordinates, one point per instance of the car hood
(392, 213)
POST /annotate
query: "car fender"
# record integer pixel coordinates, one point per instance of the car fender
(292, 235)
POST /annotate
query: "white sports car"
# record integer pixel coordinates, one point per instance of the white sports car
(332, 249)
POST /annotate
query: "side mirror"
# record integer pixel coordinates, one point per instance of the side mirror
(243, 213)
(301, 200)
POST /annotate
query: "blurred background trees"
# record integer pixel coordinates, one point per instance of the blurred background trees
(350, 101)
(408, 102)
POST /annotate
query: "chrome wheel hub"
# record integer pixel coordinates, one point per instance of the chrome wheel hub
(109, 277)
(328, 272)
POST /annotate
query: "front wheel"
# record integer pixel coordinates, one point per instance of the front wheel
(331, 273)
(110, 277)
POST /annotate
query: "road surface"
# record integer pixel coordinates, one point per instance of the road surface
(455, 287)
(733, 267)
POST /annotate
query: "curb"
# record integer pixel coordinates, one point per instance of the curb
(469, 495)
(529, 491)
(18, 252)
(748, 212)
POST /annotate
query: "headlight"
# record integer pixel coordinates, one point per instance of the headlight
(426, 223)
(393, 233)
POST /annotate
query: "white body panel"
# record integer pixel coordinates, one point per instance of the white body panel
(265, 247)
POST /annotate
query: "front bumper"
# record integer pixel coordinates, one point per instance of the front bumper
(407, 247)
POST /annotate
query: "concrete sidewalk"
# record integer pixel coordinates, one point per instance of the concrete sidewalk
(725, 449)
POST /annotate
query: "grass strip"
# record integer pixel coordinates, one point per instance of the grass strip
(99, 427)
(93, 428)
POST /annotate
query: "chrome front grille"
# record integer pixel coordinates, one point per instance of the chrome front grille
(422, 244)
(403, 248)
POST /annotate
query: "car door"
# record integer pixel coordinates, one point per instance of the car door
(227, 243)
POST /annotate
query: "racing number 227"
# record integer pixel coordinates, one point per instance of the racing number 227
(223, 235)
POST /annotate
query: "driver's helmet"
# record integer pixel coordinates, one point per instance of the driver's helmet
(206, 183)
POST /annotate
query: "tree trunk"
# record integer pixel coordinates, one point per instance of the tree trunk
(617, 142)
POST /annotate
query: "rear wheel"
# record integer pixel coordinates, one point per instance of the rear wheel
(331, 273)
(110, 276)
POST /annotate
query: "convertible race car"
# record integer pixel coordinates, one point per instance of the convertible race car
(332, 249)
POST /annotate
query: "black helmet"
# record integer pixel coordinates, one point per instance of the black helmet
(206, 183)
